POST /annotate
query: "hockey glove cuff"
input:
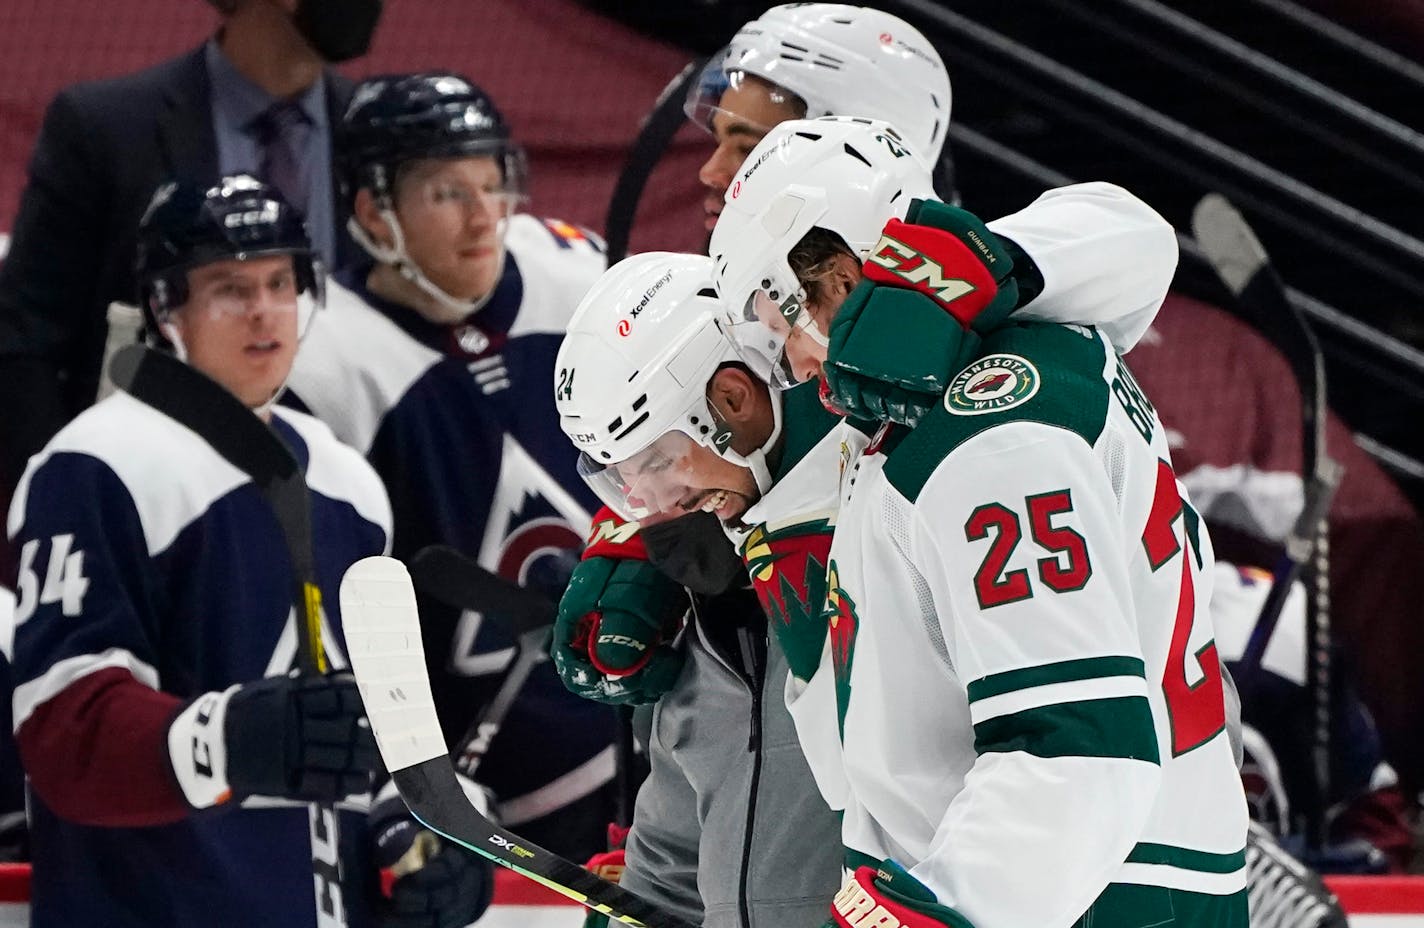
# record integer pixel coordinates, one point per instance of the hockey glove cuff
(294, 737)
(197, 749)
(889, 897)
(933, 284)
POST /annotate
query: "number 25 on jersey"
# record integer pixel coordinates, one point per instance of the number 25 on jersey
(1197, 709)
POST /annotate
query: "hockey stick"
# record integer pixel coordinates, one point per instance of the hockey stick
(246, 442)
(1243, 265)
(658, 128)
(458, 580)
(383, 636)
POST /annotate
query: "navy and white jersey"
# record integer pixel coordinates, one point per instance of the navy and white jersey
(459, 421)
(151, 571)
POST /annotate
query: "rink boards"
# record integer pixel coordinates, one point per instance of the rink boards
(1372, 902)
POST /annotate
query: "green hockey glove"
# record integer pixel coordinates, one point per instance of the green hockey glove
(614, 635)
(933, 285)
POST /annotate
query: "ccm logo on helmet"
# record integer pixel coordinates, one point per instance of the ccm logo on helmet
(916, 268)
(267, 214)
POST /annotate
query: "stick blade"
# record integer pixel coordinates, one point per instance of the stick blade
(382, 626)
(1227, 239)
(458, 580)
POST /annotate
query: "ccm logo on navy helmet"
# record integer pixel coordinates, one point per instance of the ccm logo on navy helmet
(253, 217)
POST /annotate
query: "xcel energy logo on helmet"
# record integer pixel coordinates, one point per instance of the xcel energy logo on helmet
(991, 384)
(626, 325)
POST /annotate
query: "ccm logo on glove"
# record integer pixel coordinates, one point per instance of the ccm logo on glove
(902, 257)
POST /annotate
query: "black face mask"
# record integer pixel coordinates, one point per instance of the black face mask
(338, 30)
(693, 551)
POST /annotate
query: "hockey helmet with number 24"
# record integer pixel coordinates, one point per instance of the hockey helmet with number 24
(848, 176)
(631, 378)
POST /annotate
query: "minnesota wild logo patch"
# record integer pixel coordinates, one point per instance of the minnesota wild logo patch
(992, 383)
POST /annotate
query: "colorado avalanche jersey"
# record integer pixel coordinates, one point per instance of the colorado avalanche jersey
(460, 423)
(1028, 692)
(148, 562)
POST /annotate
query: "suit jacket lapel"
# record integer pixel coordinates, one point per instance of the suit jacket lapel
(186, 136)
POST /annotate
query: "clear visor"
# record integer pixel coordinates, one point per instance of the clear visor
(495, 200)
(704, 96)
(768, 320)
(283, 291)
(659, 481)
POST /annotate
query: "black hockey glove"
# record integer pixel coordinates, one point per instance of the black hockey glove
(435, 884)
(293, 737)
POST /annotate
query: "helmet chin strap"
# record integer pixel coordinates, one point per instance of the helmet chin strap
(170, 332)
(448, 310)
(756, 460)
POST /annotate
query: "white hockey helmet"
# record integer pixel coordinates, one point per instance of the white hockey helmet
(840, 60)
(847, 175)
(631, 377)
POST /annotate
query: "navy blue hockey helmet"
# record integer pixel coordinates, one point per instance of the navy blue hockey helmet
(187, 226)
(397, 118)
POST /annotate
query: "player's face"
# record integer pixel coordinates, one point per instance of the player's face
(748, 109)
(676, 475)
(240, 326)
(450, 212)
(826, 292)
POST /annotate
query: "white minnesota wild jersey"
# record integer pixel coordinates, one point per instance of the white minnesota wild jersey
(1029, 696)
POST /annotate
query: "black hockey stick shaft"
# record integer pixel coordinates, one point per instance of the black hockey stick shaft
(458, 580)
(1241, 262)
(245, 441)
(1246, 269)
(658, 128)
(383, 633)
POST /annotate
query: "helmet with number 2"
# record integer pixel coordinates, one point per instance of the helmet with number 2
(848, 176)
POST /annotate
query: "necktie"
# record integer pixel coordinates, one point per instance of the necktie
(281, 131)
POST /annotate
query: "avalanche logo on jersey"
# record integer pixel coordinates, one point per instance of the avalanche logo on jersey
(535, 529)
(991, 384)
(533, 537)
(844, 625)
(788, 570)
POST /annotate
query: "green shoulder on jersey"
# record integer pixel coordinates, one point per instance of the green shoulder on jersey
(1029, 372)
(804, 422)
